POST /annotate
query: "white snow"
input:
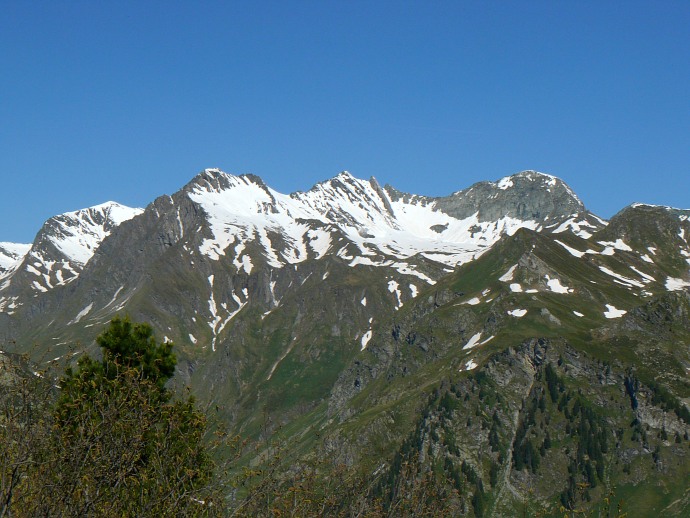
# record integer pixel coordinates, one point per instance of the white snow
(365, 339)
(9, 303)
(413, 290)
(473, 341)
(625, 281)
(487, 340)
(517, 313)
(646, 258)
(473, 301)
(81, 232)
(39, 287)
(393, 287)
(471, 364)
(192, 338)
(242, 262)
(363, 302)
(82, 314)
(578, 314)
(11, 254)
(319, 241)
(505, 183)
(575, 227)
(218, 322)
(287, 351)
(516, 288)
(648, 278)
(618, 244)
(673, 284)
(572, 251)
(75, 235)
(508, 276)
(556, 286)
(613, 312)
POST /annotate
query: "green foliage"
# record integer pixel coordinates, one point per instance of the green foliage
(668, 402)
(554, 382)
(113, 442)
(132, 345)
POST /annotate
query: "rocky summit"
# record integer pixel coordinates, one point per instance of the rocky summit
(528, 353)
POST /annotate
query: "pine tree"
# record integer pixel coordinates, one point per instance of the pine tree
(120, 443)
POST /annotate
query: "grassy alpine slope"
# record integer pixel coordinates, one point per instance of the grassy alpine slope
(469, 367)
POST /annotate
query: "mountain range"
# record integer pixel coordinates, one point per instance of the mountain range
(353, 319)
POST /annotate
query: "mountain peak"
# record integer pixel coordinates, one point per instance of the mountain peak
(65, 243)
(11, 254)
(673, 210)
(531, 176)
(214, 180)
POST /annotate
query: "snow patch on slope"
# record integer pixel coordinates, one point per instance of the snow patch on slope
(470, 365)
(674, 284)
(366, 337)
(474, 341)
(393, 287)
(572, 251)
(508, 276)
(556, 286)
(620, 279)
(613, 312)
(81, 314)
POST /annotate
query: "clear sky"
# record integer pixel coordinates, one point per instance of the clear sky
(128, 100)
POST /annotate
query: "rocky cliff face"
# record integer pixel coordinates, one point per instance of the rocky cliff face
(526, 196)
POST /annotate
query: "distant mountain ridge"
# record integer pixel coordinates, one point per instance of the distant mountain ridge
(240, 221)
(344, 201)
(63, 246)
(335, 311)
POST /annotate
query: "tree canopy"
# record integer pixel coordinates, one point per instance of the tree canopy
(114, 442)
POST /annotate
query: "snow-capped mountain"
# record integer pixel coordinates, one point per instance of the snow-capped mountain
(237, 243)
(11, 254)
(226, 228)
(341, 308)
(363, 223)
(223, 246)
(62, 247)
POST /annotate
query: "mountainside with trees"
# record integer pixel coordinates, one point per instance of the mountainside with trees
(364, 352)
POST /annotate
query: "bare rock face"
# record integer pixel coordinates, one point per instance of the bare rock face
(528, 195)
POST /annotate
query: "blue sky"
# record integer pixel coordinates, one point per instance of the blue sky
(126, 101)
